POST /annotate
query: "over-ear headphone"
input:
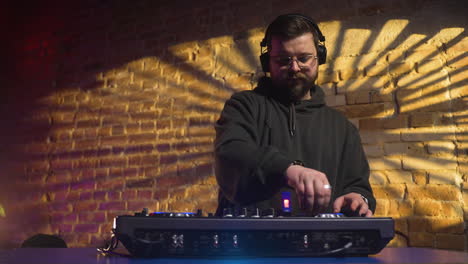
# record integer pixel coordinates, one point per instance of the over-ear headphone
(321, 49)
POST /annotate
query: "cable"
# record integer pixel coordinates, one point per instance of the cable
(404, 236)
(110, 246)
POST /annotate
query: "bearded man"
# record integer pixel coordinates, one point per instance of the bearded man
(280, 146)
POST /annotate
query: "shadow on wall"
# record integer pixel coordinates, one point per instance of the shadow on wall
(112, 105)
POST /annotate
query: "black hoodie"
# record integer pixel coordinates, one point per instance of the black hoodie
(260, 133)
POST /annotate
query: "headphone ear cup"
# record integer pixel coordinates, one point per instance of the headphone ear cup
(265, 61)
(321, 54)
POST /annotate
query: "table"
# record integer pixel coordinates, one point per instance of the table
(90, 255)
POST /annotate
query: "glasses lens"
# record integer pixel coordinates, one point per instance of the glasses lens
(304, 59)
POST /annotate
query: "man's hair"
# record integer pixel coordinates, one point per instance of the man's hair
(288, 27)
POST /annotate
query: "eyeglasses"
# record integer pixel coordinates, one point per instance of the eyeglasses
(302, 61)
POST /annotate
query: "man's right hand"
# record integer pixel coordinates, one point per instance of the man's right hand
(309, 185)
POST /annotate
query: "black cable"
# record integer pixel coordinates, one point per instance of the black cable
(404, 236)
(110, 246)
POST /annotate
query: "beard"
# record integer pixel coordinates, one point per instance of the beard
(295, 86)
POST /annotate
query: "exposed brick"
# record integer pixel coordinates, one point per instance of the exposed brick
(421, 239)
(116, 205)
(431, 163)
(163, 147)
(111, 184)
(94, 217)
(435, 147)
(150, 160)
(139, 205)
(376, 69)
(446, 225)
(420, 177)
(182, 205)
(417, 81)
(452, 209)
(86, 228)
(364, 84)
(398, 176)
(378, 178)
(389, 191)
(417, 224)
(114, 195)
(129, 194)
(365, 110)
(167, 159)
(428, 66)
(444, 177)
(379, 136)
(60, 206)
(85, 206)
(373, 150)
(327, 75)
(350, 73)
(427, 207)
(141, 138)
(400, 67)
(396, 148)
(113, 162)
(113, 140)
(435, 192)
(381, 209)
(385, 163)
(58, 165)
(83, 185)
(458, 47)
(459, 61)
(86, 196)
(197, 131)
(451, 241)
(64, 217)
(425, 52)
(422, 119)
(335, 100)
(144, 194)
(99, 195)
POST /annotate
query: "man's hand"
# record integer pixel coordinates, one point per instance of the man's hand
(352, 202)
(309, 185)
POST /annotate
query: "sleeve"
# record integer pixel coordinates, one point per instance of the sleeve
(246, 172)
(355, 169)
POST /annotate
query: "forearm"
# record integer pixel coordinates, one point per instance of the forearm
(248, 174)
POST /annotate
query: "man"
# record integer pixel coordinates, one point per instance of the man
(281, 140)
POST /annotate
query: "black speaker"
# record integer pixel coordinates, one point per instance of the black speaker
(321, 49)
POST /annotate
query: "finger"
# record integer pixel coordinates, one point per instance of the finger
(354, 205)
(321, 195)
(338, 204)
(364, 209)
(327, 196)
(369, 213)
(309, 194)
(300, 194)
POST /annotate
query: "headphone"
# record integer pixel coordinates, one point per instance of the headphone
(321, 49)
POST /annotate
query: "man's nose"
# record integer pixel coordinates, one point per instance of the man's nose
(294, 66)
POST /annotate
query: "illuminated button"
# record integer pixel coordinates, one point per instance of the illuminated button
(235, 242)
(215, 241)
(286, 204)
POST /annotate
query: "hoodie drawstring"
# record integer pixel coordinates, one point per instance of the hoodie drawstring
(292, 119)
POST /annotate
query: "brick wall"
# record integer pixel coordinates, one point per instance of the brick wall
(109, 107)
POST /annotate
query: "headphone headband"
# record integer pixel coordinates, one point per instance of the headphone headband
(321, 49)
(320, 36)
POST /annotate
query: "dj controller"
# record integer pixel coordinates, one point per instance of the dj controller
(244, 234)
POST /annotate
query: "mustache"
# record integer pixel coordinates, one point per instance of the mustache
(297, 75)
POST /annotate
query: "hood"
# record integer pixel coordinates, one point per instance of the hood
(265, 87)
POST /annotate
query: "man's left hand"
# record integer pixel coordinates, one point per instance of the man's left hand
(353, 202)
